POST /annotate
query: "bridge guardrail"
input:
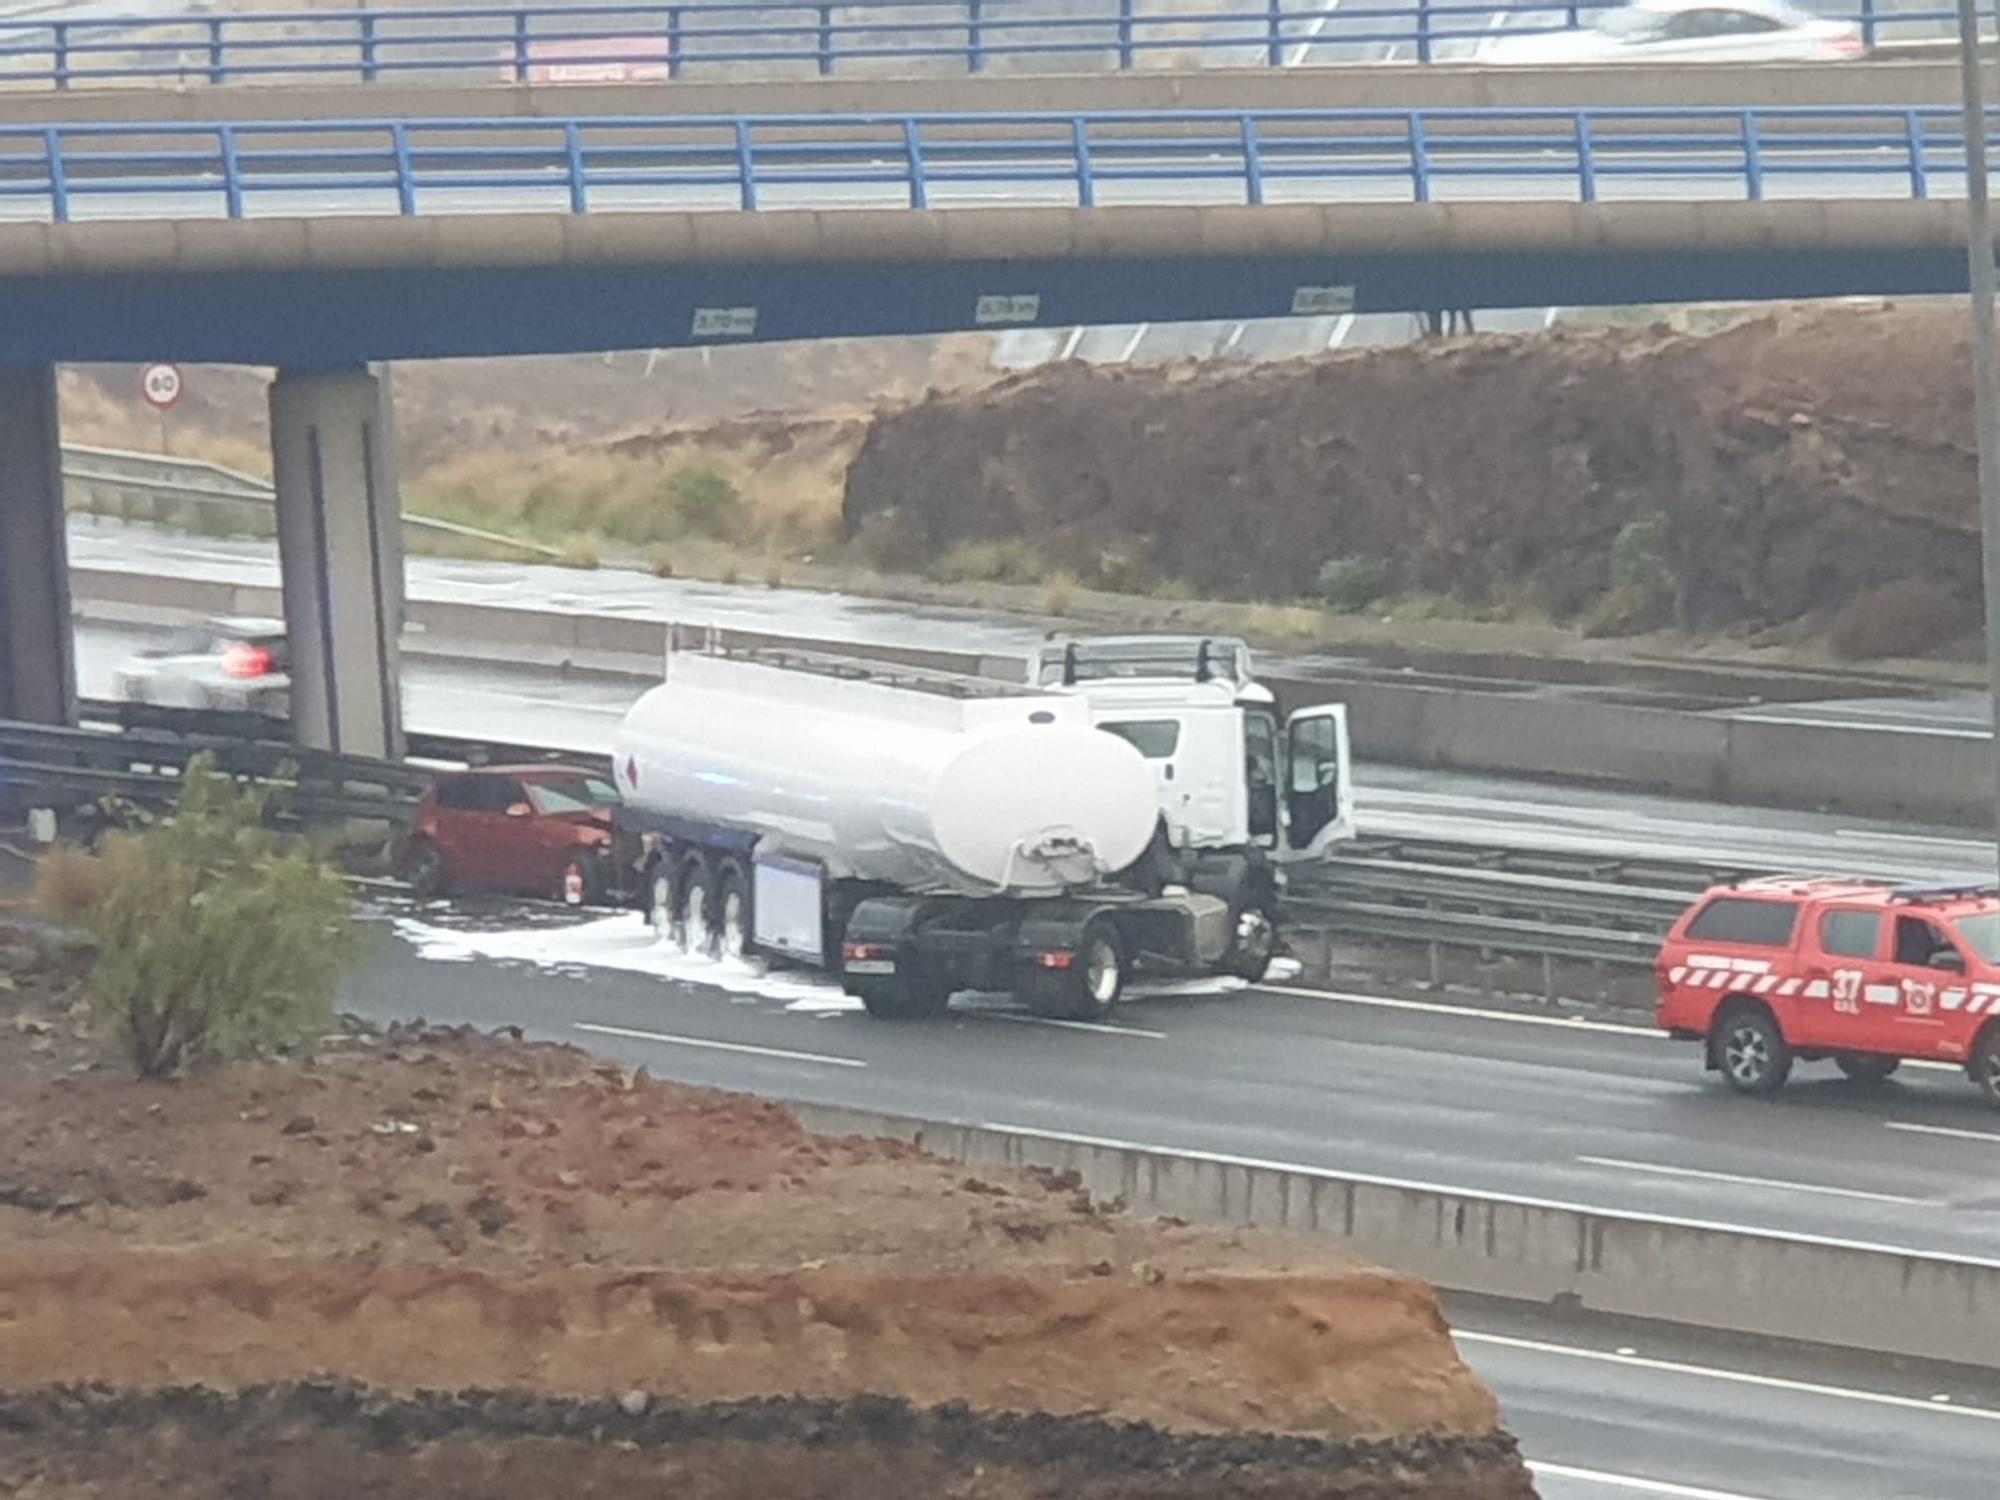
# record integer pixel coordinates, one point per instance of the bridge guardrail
(607, 164)
(624, 42)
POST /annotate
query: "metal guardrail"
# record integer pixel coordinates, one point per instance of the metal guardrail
(630, 43)
(90, 474)
(409, 167)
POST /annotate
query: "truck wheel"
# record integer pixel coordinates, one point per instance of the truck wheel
(916, 996)
(582, 882)
(1866, 1067)
(1090, 986)
(732, 923)
(1984, 1064)
(1252, 947)
(660, 913)
(698, 911)
(424, 868)
(1753, 1052)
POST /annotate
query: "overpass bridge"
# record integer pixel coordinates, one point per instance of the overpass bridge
(324, 246)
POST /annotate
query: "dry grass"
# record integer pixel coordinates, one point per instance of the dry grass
(68, 884)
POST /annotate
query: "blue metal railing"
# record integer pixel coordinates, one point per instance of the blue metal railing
(388, 167)
(734, 38)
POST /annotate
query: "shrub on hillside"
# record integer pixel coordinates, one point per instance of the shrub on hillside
(706, 503)
(1645, 592)
(1904, 618)
(1348, 585)
(215, 937)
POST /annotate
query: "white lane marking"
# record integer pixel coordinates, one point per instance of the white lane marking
(1099, 1027)
(1520, 1018)
(1132, 348)
(1342, 327)
(697, 1041)
(1980, 845)
(1312, 34)
(1482, 1195)
(1446, 1008)
(1736, 1377)
(1992, 1137)
(1661, 1170)
(1632, 1483)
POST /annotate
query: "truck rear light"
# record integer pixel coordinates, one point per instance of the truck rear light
(862, 953)
(1054, 960)
(245, 660)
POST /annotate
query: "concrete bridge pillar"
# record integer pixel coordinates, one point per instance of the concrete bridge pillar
(37, 650)
(341, 550)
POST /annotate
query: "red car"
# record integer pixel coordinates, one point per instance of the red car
(1771, 972)
(541, 830)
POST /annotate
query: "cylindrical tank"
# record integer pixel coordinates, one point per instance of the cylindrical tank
(1008, 790)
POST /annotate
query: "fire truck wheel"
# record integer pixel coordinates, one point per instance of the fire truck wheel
(1866, 1067)
(1755, 1057)
(1985, 1064)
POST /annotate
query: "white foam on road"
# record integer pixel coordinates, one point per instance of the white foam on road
(626, 943)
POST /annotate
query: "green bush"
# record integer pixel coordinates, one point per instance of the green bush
(1645, 591)
(706, 503)
(215, 937)
(1348, 585)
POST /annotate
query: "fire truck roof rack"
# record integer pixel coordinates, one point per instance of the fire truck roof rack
(1945, 891)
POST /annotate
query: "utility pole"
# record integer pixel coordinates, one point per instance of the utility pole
(1985, 357)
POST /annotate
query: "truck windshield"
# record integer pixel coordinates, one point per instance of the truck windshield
(1982, 934)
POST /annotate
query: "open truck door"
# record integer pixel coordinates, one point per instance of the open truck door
(1319, 808)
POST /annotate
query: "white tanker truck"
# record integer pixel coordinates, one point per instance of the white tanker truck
(1125, 807)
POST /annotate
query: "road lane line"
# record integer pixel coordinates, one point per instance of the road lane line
(1976, 845)
(1991, 1137)
(1633, 1484)
(696, 1041)
(1662, 1170)
(1736, 1377)
(1102, 1029)
(1446, 1008)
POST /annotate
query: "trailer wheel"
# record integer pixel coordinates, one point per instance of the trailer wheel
(661, 914)
(1090, 986)
(909, 996)
(698, 910)
(732, 902)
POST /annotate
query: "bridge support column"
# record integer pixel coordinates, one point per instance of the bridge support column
(37, 648)
(340, 545)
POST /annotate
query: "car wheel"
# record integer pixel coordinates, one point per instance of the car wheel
(1752, 1052)
(1984, 1064)
(582, 882)
(1252, 946)
(1090, 986)
(1866, 1067)
(425, 870)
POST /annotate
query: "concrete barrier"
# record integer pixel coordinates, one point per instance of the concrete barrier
(1879, 1298)
(1768, 760)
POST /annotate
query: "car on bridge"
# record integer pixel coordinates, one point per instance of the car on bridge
(1687, 31)
(1769, 972)
(240, 665)
(531, 830)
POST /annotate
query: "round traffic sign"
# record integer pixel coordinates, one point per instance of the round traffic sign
(161, 385)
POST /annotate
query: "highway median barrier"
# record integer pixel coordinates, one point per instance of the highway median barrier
(1877, 1298)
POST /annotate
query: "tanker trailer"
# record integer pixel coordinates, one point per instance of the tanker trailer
(917, 833)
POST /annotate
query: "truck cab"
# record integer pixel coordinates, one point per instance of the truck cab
(1229, 775)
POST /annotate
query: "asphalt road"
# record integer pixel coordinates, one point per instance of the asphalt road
(1603, 1116)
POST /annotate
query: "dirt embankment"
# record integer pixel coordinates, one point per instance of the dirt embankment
(649, 1282)
(1799, 462)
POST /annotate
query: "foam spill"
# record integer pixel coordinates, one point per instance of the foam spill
(626, 943)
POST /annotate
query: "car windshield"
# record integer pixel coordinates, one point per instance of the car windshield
(571, 794)
(1982, 934)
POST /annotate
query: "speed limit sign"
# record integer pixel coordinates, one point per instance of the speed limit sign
(161, 385)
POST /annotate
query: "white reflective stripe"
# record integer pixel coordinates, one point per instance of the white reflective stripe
(1721, 979)
(1882, 994)
(1707, 961)
(1819, 989)
(1765, 985)
(1674, 975)
(1952, 999)
(1986, 989)
(1978, 1005)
